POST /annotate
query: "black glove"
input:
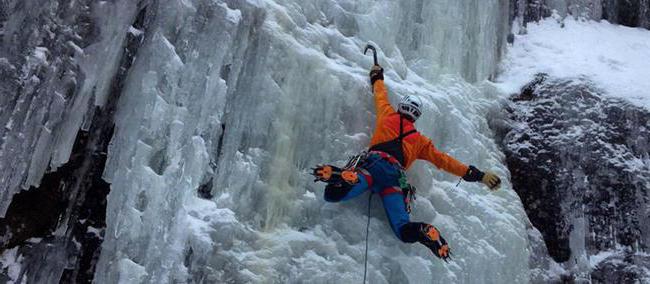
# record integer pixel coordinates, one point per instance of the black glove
(376, 73)
(473, 174)
(491, 180)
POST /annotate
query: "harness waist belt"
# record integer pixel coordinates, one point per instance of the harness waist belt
(387, 157)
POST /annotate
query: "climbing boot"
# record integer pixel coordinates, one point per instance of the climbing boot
(430, 237)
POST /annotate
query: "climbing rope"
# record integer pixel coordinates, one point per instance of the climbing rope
(365, 265)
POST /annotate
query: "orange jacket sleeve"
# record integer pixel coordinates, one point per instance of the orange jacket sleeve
(382, 103)
(440, 159)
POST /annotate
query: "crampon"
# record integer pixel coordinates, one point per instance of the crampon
(333, 175)
(436, 243)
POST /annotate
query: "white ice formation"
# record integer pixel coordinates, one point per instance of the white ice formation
(240, 98)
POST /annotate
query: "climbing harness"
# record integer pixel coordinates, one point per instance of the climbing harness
(394, 147)
(332, 174)
(355, 161)
(407, 189)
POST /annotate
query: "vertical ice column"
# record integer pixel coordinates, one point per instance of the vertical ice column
(441, 37)
(167, 126)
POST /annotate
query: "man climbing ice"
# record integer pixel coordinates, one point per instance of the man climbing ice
(394, 146)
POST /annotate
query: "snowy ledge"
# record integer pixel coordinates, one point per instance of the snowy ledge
(616, 58)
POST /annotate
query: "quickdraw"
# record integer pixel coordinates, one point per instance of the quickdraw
(408, 190)
(355, 160)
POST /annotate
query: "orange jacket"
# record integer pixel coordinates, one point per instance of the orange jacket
(415, 146)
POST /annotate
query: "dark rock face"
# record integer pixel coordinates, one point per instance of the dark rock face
(531, 10)
(67, 212)
(633, 13)
(61, 222)
(580, 163)
(40, 76)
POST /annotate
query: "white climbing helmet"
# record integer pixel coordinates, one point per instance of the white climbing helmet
(410, 106)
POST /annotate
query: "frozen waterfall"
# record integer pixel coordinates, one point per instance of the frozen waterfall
(221, 107)
(230, 102)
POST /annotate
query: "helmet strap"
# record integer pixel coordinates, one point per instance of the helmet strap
(406, 117)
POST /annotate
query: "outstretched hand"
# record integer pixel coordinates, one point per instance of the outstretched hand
(491, 180)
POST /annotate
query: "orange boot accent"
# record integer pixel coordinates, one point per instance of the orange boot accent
(325, 173)
(443, 251)
(432, 233)
(350, 177)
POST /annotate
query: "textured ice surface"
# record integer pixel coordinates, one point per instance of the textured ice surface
(230, 102)
(11, 262)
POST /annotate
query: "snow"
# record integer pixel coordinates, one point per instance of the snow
(78, 50)
(94, 231)
(610, 60)
(596, 259)
(131, 272)
(616, 58)
(40, 53)
(135, 32)
(11, 262)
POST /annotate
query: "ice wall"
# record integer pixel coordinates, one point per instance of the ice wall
(230, 102)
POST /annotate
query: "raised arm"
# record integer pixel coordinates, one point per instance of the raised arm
(382, 104)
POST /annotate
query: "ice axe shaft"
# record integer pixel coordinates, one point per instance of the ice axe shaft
(374, 52)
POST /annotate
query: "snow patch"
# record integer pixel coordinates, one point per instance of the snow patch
(616, 58)
(11, 262)
(135, 32)
(130, 272)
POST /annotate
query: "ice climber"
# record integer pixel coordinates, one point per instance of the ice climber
(394, 146)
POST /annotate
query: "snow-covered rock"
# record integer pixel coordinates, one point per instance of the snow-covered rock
(628, 13)
(581, 164)
(576, 142)
(614, 58)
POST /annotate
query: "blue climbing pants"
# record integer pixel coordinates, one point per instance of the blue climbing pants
(382, 178)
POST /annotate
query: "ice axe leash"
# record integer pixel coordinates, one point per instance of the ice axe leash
(374, 52)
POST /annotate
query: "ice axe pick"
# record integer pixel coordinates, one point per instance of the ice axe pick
(374, 52)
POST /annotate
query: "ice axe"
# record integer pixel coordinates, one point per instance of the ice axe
(374, 52)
